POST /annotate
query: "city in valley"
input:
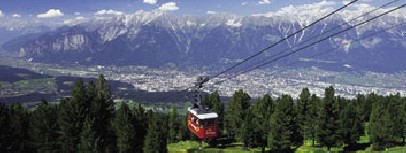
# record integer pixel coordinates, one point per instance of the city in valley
(274, 80)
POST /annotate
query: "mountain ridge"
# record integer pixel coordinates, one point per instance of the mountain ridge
(157, 38)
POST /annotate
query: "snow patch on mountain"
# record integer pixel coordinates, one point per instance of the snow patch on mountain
(302, 14)
(233, 23)
(371, 43)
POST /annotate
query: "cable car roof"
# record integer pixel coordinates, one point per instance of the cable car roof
(201, 114)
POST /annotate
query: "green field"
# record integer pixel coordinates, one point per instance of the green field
(23, 87)
(193, 147)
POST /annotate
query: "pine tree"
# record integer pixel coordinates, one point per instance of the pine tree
(248, 129)
(392, 124)
(69, 126)
(141, 126)
(312, 122)
(237, 112)
(283, 131)
(125, 129)
(89, 140)
(351, 125)
(386, 122)
(303, 110)
(71, 116)
(18, 125)
(101, 108)
(155, 140)
(212, 101)
(5, 130)
(44, 128)
(377, 126)
(91, 93)
(261, 112)
(183, 129)
(173, 126)
(328, 128)
(362, 108)
(367, 107)
(397, 111)
(403, 120)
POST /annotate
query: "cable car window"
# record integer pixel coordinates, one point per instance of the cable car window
(209, 122)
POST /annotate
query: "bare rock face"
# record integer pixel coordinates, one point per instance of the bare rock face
(156, 38)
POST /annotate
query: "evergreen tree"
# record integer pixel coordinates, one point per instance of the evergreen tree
(212, 101)
(380, 126)
(312, 123)
(141, 126)
(44, 128)
(386, 122)
(367, 107)
(362, 108)
(403, 120)
(5, 130)
(69, 126)
(303, 112)
(155, 140)
(397, 111)
(183, 129)
(89, 140)
(101, 113)
(248, 130)
(71, 116)
(392, 124)
(91, 94)
(351, 125)
(173, 126)
(125, 129)
(283, 133)
(328, 128)
(18, 126)
(237, 112)
(261, 112)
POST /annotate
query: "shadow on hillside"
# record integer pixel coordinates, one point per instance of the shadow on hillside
(359, 146)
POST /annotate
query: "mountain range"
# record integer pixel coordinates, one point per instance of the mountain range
(156, 38)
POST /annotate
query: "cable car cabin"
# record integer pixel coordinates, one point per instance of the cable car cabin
(202, 123)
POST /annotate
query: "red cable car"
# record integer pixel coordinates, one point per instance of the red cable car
(202, 123)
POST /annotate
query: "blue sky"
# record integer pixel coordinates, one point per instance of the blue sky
(31, 8)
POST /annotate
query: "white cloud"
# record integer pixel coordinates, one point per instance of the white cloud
(362, 7)
(1, 13)
(51, 13)
(109, 12)
(150, 1)
(77, 13)
(77, 20)
(211, 12)
(264, 2)
(346, 2)
(16, 16)
(170, 6)
(244, 3)
(359, 9)
(303, 14)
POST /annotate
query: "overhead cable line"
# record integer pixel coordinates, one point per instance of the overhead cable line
(284, 39)
(316, 42)
(335, 27)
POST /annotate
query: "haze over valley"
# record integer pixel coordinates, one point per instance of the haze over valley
(160, 50)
